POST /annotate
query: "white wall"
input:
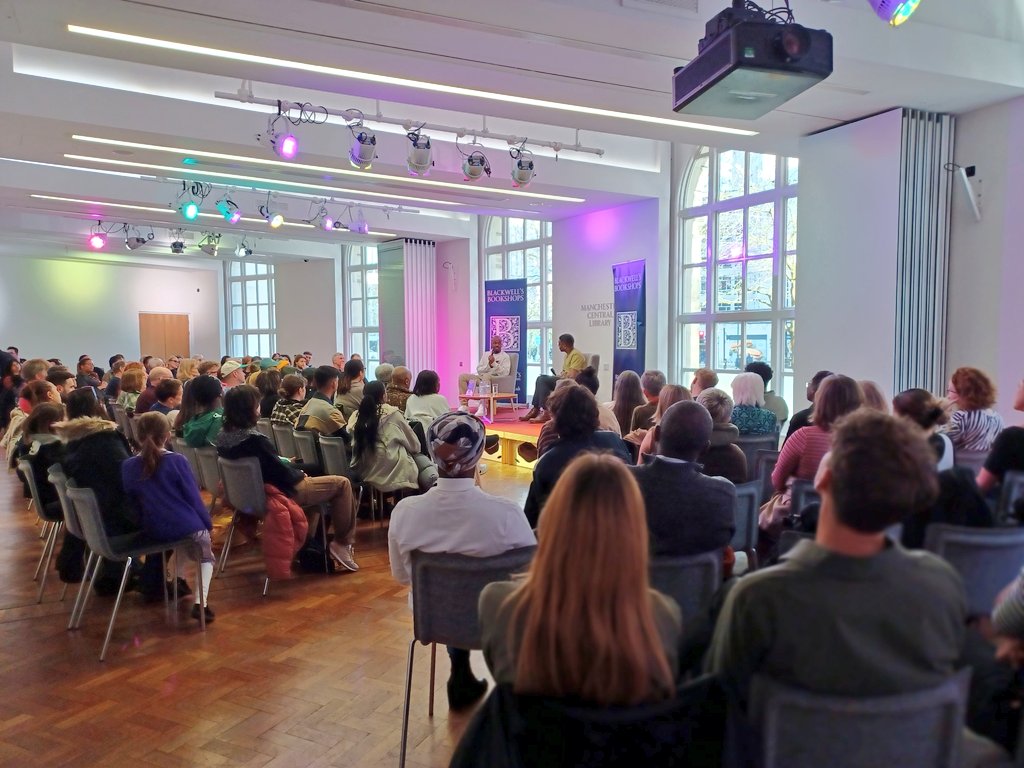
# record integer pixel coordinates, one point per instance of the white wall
(986, 311)
(307, 295)
(585, 248)
(68, 307)
(846, 266)
(457, 333)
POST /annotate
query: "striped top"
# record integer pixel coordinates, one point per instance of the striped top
(801, 455)
(974, 430)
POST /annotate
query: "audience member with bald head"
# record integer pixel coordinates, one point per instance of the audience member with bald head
(398, 389)
(148, 398)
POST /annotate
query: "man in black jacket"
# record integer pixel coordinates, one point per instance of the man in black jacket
(687, 512)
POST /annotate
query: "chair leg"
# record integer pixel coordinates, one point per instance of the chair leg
(44, 533)
(63, 591)
(117, 605)
(433, 662)
(323, 535)
(266, 586)
(51, 542)
(88, 580)
(199, 586)
(405, 709)
(227, 545)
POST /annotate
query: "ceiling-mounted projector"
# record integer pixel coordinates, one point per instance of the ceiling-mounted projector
(748, 63)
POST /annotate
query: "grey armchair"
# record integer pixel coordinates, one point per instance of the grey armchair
(507, 383)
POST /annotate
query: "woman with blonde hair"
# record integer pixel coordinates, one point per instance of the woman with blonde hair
(584, 623)
(748, 412)
(188, 369)
(670, 395)
(873, 396)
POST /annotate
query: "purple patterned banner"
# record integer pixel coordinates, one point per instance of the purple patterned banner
(630, 285)
(505, 310)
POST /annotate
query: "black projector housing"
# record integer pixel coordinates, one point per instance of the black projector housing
(751, 68)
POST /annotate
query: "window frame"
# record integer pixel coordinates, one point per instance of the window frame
(240, 336)
(358, 335)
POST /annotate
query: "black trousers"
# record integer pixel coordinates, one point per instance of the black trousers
(543, 387)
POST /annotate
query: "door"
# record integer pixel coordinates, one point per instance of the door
(163, 335)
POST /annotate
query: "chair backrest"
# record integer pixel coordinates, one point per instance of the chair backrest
(56, 475)
(209, 469)
(593, 360)
(186, 450)
(336, 458)
(446, 590)
(1012, 489)
(987, 559)
(305, 443)
(803, 493)
(761, 470)
(121, 418)
(973, 460)
(807, 730)
(87, 508)
(266, 427)
(506, 384)
(691, 581)
(243, 485)
(33, 488)
(283, 439)
(751, 444)
(748, 505)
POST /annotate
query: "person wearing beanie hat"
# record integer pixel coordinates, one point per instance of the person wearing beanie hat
(456, 516)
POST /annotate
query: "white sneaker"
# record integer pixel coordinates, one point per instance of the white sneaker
(343, 554)
(464, 407)
(481, 412)
(481, 468)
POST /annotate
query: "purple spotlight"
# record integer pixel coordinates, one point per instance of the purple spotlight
(327, 223)
(286, 146)
(236, 216)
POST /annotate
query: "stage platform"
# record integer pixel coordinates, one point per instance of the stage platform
(511, 434)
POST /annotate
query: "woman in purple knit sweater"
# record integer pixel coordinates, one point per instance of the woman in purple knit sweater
(164, 489)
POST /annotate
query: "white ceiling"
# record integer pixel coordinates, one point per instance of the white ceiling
(587, 53)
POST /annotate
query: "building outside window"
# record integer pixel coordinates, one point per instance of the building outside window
(363, 302)
(251, 316)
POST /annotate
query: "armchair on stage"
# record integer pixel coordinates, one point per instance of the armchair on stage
(507, 383)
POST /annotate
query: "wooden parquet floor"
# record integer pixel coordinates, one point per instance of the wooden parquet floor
(311, 675)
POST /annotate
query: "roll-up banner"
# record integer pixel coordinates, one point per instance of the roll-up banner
(505, 310)
(630, 316)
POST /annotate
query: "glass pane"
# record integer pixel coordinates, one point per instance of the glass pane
(371, 283)
(236, 269)
(356, 256)
(730, 235)
(695, 289)
(372, 318)
(727, 346)
(515, 264)
(789, 284)
(762, 172)
(729, 287)
(548, 263)
(515, 231)
(495, 268)
(533, 265)
(533, 303)
(549, 349)
(548, 304)
(251, 292)
(261, 269)
(355, 281)
(791, 224)
(547, 229)
(532, 230)
(759, 283)
(792, 170)
(236, 319)
(264, 316)
(697, 183)
(236, 293)
(693, 346)
(250, 268)
(238, 346)
(494, 231)
(533, 351)
(695, 240)
(357, 313)
(373, 346)
(761, 229)
(788, 340)
(357, 345)
(532, 372)
(262, 291)
(252, 317)
(371, 254)
(758, 344)
(730, 173)
(252, 344)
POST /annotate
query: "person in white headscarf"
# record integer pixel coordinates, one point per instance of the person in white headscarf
(457, 517)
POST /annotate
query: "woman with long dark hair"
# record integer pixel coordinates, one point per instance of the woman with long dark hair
(350, 388)
(584, 623)
(385, 450)
(201, 413)
(162, 486)
(628, 396)
(426, 403)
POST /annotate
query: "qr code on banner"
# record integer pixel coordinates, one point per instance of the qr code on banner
(507, 327)
(625, 330)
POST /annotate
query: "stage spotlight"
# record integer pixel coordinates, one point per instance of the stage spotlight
(177, 247)
(364, 149)
(131, 243)
(274, 218)
(326, 223)
(475, 166)
(241, 251)
(97, 241)
(894, 11)
(522, 167)
(231, 212)
(358, 223)
(209, 244)
(419, 161)
(189, 210)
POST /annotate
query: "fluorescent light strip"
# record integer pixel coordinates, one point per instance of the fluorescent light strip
(422, 85)
(327, 169)
(260, 180)
(71, 167)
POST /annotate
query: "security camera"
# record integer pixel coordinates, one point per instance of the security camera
(305, 261)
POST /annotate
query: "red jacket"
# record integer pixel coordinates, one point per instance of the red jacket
(284, 532)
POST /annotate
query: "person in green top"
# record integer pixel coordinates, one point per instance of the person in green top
(199, 420)
(545, 385)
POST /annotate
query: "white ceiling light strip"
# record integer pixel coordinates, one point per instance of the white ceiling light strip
(462, 188)
(423, 85)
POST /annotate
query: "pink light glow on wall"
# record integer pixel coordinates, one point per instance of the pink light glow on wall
(601, 228)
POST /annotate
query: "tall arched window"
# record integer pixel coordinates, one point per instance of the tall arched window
(521, 248)
(735, 293)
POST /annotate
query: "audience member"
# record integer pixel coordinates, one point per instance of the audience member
(494, 363)
(574, 410)
(113, 390)
(188, 370)
(584, 624)
(549, 432)
(148, 396)
(163, 488)
(293, 395)
(670, 395)
(13, 352)
(319, 412)
(1007, 452)
(748, 412)
(87, 374)
(772, 401)
(722, 458)
(201, 415)
(338, 360)
(209, 368)
(802, 418)
(383, 373)
(574, 363)
(455, 516)
(873, 396)
(642, 417)
(34, 370)
(33, 394)
(168, 399)
(385, 450)
(65, 382)
(151, 362)
(627, 396)
(231, 374)
(920, 407)
(40, 446)
(703, 378)
(10, 383)
(844, 614)
(687, 512)
(974, 425)
(398, 391)
(240, 439)
(350, 387)
(300, 362)
(173, 363)
(268, 383)
(426, 404)
(132, 382)
(605, 416)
